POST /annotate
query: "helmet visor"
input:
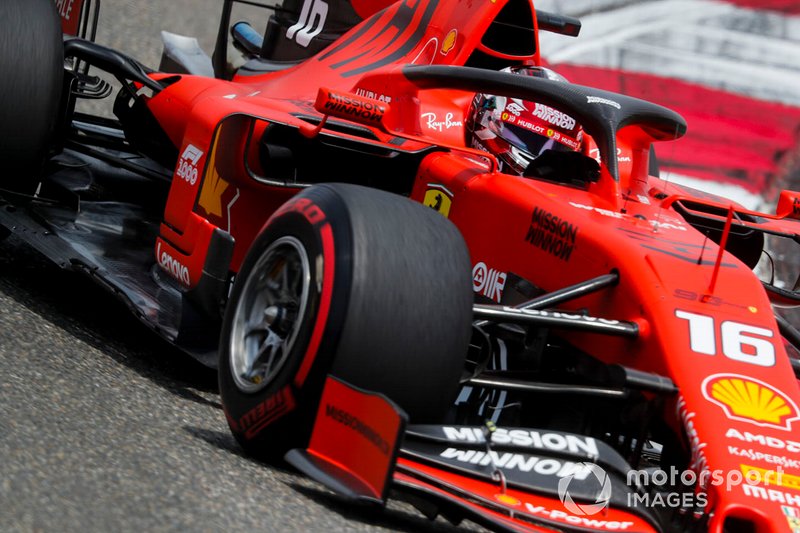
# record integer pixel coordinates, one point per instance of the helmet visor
(530, 142)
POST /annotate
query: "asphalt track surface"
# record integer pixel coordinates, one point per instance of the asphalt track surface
(104, 427)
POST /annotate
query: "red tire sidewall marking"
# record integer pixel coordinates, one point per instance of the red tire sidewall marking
(328, 260)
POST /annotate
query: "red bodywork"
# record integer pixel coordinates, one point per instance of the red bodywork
(706, 324)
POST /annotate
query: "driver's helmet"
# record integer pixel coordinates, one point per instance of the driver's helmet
(518, 131)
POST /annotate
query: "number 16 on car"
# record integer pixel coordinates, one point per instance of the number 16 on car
(739, 342)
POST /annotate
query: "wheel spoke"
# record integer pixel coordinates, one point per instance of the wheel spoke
(285, 280)
(292, 285)
(276, 357)
(256, 329)
(264, 356)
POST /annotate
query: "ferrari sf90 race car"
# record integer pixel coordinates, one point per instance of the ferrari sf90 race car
(581, 345)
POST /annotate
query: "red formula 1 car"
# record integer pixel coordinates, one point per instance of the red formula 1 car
(582, 347)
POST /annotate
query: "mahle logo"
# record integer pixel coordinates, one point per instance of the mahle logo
(586, 509)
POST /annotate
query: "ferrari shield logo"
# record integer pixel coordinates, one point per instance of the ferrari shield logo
(439, 199)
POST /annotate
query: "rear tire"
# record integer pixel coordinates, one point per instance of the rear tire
(31, 74)
(381, 297)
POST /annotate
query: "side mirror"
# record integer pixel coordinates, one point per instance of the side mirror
(786, 294)
(788, 205)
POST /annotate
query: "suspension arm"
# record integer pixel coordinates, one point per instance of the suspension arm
(555, 319)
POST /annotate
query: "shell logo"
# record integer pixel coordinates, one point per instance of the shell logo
(750, 400)
(507, 499)
(449, 41)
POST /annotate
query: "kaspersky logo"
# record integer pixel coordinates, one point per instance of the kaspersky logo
(750, 400)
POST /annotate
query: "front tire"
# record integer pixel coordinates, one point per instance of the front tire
(31, 74)
(362, 284)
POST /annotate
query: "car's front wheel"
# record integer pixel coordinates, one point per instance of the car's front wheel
(366, 285)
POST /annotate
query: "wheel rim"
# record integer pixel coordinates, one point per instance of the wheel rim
(269, 314)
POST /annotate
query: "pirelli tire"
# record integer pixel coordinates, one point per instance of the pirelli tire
(380, 295)
(31, 74)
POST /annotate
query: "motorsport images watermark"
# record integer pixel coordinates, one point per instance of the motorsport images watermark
(656, 488)
(603, 496)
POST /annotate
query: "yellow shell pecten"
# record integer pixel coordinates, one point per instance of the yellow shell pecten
(749, 399)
